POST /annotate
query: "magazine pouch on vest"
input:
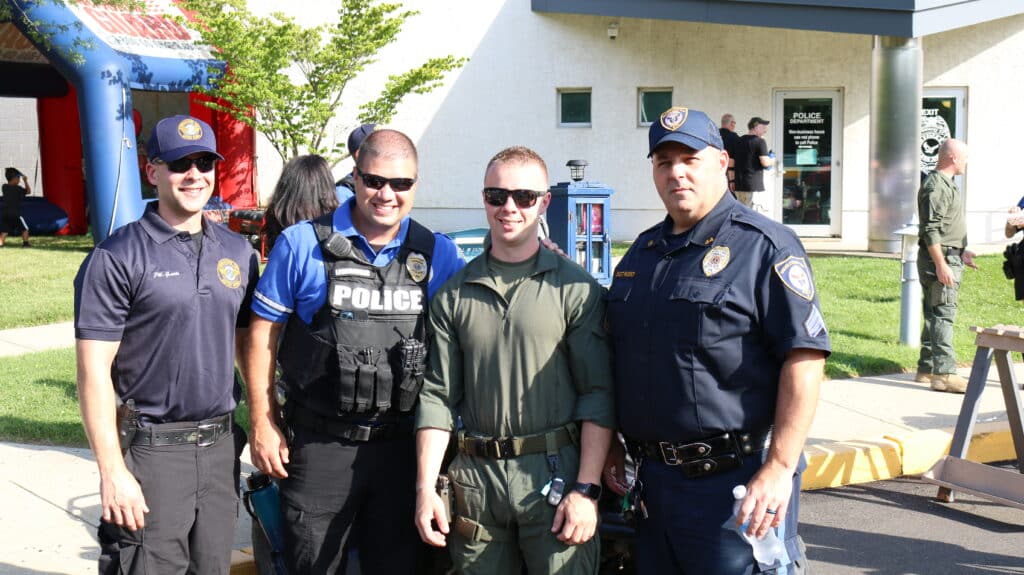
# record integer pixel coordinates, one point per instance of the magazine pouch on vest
(364, 352)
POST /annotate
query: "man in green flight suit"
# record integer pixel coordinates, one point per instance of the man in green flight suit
(518, 351)
(940, 264)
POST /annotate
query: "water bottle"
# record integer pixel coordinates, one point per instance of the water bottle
(771, 156)
(263, 502)
(769, 552)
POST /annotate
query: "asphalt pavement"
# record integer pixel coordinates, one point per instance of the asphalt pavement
(897, 527)
(866, 429)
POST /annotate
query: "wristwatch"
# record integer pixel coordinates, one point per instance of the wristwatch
(591, 490)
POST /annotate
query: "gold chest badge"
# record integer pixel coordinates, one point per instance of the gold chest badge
(715, 260)
(416, 264)
(229, 273)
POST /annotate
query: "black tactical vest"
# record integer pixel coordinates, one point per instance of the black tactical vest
(364, 352)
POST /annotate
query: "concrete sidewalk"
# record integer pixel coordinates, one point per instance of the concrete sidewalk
(866, 429)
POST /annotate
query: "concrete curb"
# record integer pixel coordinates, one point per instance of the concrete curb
(898, 455)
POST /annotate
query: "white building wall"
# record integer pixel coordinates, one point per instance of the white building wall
(19, 140)
(506, 94)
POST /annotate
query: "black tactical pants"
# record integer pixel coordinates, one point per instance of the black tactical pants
(338, 488)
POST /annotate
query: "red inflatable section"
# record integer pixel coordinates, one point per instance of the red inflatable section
(236, 175)
(60, 142)
(60, 147)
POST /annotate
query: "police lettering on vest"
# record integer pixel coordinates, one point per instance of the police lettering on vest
(346, 297)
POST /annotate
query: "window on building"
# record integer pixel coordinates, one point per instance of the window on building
(653, 101)
(574, 107)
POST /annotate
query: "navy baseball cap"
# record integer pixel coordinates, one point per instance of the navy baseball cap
(691, 128)
(178, 136)
(356, 137)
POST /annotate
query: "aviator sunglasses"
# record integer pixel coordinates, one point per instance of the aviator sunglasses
(182, 165)
(375, 182)
(523, 198)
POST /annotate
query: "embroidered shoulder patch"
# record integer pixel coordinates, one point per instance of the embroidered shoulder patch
(815, 324)
(796, 276)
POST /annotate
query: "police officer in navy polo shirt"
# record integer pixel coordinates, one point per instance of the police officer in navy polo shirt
(157, 306)
(719, 350)
(341, 309)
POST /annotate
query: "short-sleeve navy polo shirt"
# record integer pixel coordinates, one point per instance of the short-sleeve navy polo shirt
(174, 313)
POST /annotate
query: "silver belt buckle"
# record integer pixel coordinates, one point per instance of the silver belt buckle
(667, 448)
(207, 434)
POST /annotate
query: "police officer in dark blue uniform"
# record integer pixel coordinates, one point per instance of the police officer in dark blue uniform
(157, 306)
(719, 351)
(341, 308)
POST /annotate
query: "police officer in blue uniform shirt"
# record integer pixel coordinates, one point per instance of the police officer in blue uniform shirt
(719, 351)
(157, 306)
(346, 296)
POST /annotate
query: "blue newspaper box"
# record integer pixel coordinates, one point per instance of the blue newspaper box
(579, 220)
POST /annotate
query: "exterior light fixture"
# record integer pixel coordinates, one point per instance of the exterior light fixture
(576, 169)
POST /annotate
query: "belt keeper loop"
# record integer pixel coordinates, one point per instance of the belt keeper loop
(551, 443)
(574, 432)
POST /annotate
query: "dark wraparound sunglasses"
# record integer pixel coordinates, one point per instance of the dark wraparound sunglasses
(182, 165)
(375, 182)
(523, 198)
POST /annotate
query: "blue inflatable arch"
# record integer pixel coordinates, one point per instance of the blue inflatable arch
(103, 77)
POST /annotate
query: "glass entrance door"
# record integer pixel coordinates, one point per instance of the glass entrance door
(808, 180)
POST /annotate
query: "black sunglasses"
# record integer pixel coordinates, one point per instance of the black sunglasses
(375, 182)
(182, 165)
(523, 198)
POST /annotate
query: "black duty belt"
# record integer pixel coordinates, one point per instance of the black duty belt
(509, 447)
(200, 433)
(301, 416)
(951, 251)
(705, 456)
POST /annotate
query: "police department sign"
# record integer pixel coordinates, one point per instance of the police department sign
(934, 131)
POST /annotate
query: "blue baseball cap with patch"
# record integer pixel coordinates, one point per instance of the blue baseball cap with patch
(689, 127)
(356, 137)
(179, 136)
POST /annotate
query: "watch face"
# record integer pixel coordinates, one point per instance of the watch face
(589, 490)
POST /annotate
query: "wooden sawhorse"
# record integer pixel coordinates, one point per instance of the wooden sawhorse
(953, 472)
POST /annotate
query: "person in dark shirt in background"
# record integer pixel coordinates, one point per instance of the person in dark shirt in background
(14, 190)
(750, 156)
(729, 139)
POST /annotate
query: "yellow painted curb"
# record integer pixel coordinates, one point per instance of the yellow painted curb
(836, 464)
(992, 441)
(895, 455)
(242, 562)
(921, 449)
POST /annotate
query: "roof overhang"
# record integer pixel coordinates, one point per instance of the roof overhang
(904, 18)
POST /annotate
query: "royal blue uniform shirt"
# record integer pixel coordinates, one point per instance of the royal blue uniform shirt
(295, 280)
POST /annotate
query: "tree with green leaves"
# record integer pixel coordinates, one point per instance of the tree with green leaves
(287, 81)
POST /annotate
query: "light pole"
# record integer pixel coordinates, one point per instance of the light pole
(910, 294)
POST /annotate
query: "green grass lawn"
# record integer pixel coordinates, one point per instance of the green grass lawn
(35, 286)
(39, 400)
(860, 299)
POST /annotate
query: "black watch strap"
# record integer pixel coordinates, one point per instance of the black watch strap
(591, 490)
